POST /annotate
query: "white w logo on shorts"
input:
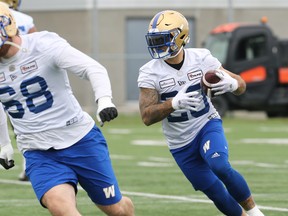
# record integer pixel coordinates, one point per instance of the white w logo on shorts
(109, 191)
(206, 146)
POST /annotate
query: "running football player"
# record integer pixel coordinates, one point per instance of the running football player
(60, 142)
(170, 92)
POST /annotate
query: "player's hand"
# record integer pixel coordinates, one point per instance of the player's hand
(6, 156)
(226, 84)
(106, 110)
(187, 100)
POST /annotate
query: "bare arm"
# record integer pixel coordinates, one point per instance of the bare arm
(241, 83)
(151, 110)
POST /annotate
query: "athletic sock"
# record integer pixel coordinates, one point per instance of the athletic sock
(255, 212)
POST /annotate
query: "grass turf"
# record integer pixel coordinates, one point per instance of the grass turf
(148, 174)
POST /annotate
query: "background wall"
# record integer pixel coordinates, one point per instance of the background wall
(99, 28)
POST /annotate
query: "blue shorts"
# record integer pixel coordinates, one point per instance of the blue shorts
(191, 158)
(86, 162)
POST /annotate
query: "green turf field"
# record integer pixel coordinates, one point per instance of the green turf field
(147, 173)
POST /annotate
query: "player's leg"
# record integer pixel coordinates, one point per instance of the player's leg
(202, 178)
(216, 157)
(96, 176)
(61, 200)
(223, 200)
(22, 175)
(53, 182)
(251, 208)
(123, 208)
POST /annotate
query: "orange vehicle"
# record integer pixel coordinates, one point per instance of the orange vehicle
(260, 58)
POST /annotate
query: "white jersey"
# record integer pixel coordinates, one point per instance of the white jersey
(4, 135)
(35, 91)
(23, 21)
(181, 126)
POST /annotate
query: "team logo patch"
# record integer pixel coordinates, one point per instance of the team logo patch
(31, 66)
(12, 68)
(215, 155)
(2, 77)
(13, 77)
(206, 146)
(167, 83)
(72, 121)
(181, 83)
(194, 75)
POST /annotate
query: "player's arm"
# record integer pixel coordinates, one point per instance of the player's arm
(85, 67)
(241, 83)
(229, 82)
(6, 149)
(151, 110)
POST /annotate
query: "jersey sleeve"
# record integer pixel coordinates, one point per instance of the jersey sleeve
(145, 78)
(209, 62)
(4, 135)
(74, 61)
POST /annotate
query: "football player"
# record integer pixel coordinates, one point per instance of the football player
(170, 92)
(25, 25)
(60, 142)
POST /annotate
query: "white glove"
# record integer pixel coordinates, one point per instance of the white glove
(106, 110)
(226, 84)
(186, 100)
(6, 156)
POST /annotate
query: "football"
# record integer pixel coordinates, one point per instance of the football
(209, 78)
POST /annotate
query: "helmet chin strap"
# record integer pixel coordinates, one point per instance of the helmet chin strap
(16, 45)
(172, 56)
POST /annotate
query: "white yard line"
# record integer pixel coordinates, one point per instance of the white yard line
(271, 141)
(150, 195)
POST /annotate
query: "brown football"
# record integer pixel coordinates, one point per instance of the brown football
(209, 78)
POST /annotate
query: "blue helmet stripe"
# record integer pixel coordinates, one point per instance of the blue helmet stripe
(154, 24)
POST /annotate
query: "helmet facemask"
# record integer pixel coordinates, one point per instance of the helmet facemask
(168, 33)
(162, 44)
(4, 22)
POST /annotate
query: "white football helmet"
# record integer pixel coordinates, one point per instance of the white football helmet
(8, 27)
(12, 3)
(168, 33)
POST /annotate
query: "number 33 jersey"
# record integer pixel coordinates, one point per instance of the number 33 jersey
(35, 91)
(181, 126)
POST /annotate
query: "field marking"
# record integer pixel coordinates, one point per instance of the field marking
(120, 131)
(122, 157)
(149, 142)
(256, 141)
(273, 129)
(272, 141)
(257, 164)
(156, 196)
(193, 200)
(154, 164)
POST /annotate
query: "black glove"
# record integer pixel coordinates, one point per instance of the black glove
(108, 114)
(6, 156)
(7, 164)
(106, 110)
